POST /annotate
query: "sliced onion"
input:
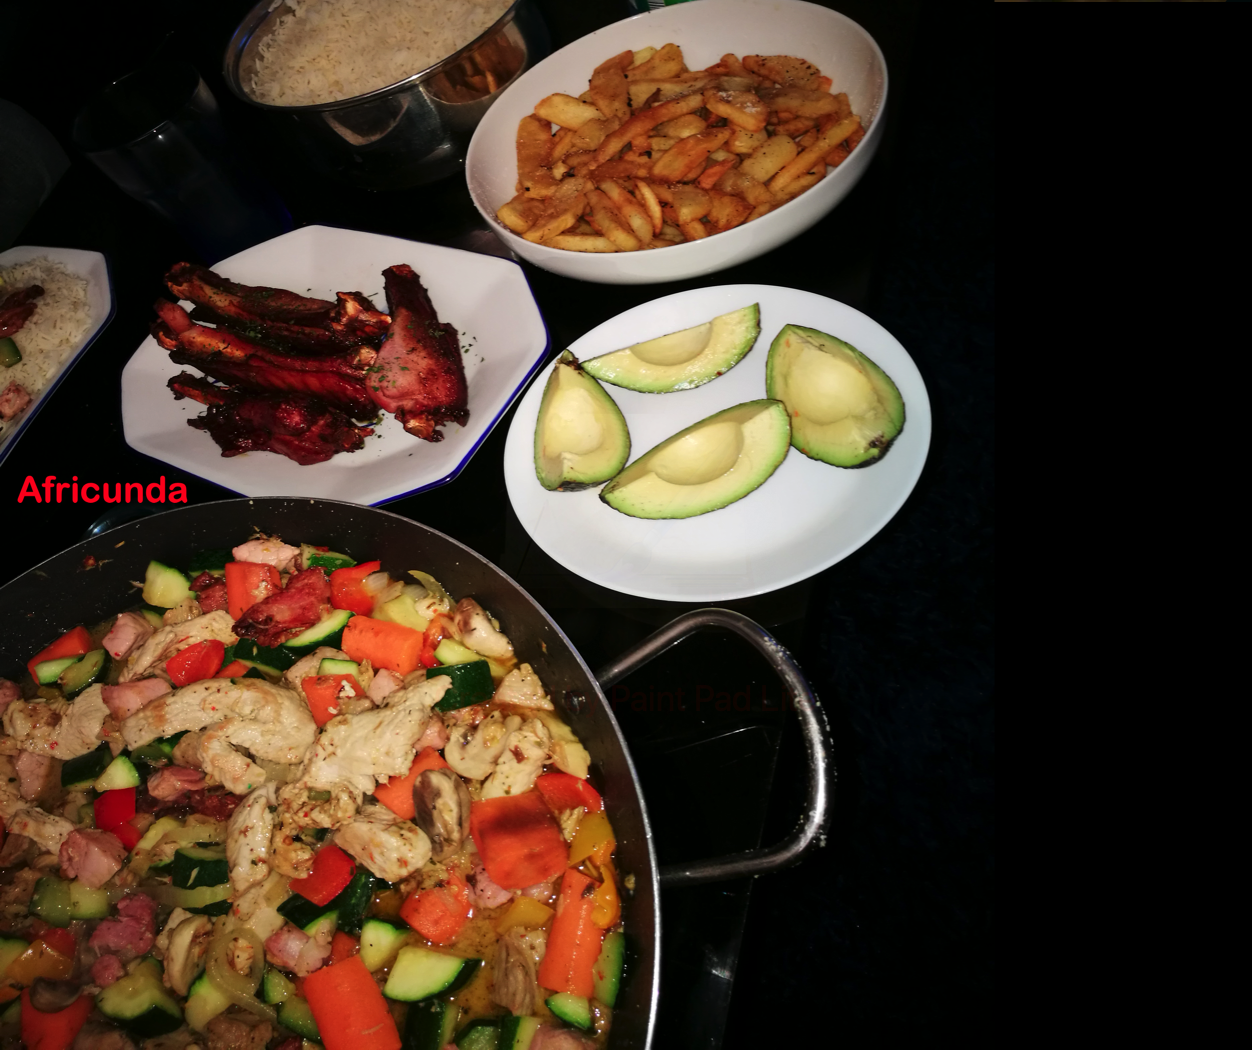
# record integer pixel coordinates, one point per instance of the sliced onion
(436, 600)
(239, 988)
(381, 587)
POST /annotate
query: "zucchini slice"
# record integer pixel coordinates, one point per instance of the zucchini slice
(418, 973)
(276, 986)
(200, 866)
(86, 903)
(517, 1033)
(51, 901)
(80, 773)
(380, 943)
(120, 773)
(140, 1003)
(271, 661)
(204, 1002)
(90, 669)
(49, 671)
(329, 666)
(429, 1026)
(573, 1009)
(471, 684)
(311, 557)
(294, 1013)
(606, 974)
(165, 587)
(328, 632)
(483, 1033)
(354, 900)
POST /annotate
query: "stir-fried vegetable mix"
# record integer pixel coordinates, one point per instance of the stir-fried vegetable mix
(293, 800)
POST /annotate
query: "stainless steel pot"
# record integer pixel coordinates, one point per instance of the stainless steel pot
(411, 132)
(64, 591)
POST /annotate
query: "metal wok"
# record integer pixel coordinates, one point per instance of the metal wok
(62, 592)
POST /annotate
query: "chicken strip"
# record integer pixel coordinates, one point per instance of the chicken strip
(473, 752)
(46, 830)
(272, 722)
(58, 728)
(248, 835)
(151, 656)
(392, 848)
(521, 761)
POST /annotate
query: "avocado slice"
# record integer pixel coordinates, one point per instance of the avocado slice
(707, 466)
(844, 409)
(681, 360)
(580, 437)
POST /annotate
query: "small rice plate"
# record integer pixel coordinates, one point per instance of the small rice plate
(327, 50)
(58, 324)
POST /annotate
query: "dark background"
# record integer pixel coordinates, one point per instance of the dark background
(884, 937)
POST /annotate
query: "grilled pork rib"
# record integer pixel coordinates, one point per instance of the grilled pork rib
(244, 302)
(419, 374)
(297, 426)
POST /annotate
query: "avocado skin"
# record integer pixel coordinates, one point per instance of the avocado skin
(733, 335)
(599, 464)
(872, 437)
(639, 493)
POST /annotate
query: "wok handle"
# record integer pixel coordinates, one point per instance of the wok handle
(811, 830)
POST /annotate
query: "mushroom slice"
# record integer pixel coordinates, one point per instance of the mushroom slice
(442, 802)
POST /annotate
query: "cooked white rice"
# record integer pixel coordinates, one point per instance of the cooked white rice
(326, 50)
(58, 324)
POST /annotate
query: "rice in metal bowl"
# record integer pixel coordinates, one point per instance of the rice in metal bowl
(327, 50)
(59, 322)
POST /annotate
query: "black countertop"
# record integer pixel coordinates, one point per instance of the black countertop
(885, 935)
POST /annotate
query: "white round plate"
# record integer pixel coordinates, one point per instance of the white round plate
(806, 517)
(486, 298)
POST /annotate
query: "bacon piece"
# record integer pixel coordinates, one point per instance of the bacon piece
(92, 857)
(294, 950)
(173, 782)
(128, 632)
(125, 699)
(9, 692)
(216, 804)
(13, 401)
(286, 613)
(293, 425)
(419, 374)
(16, 308)
(384, 684)
(202, 286)
(486, 892)
(132, 933)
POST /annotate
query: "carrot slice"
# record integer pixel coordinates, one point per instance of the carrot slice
(323, 694)
(397, 793)
(439, 913)
(383, 644)
(350, 1011)
(574, 940)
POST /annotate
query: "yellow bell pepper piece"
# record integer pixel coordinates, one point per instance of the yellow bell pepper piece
(608, 905)
(40, 961)
(525, 912)
(594, 839)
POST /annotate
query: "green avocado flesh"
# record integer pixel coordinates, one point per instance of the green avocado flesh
(581, 437)
(681, 360)
(844, 409)
(705, 467)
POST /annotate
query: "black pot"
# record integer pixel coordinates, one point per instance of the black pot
(97, 578)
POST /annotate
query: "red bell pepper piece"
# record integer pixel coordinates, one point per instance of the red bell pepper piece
(128, 835)
(113, 808)
(73, 643)
(436, 631)
(247, 582)
(343, 946)
(397, 793)
(564, 791)
(332, 871)
(53, 1031)
(518, 839)
(54, 937)
(574, 941)
(201, 660)
(439, 913)
(383, 644)
(350, 1011)
(234, 669)
(346, 590)
(323, 693)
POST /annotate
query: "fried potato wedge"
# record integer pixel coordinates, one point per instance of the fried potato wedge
(566, 111)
